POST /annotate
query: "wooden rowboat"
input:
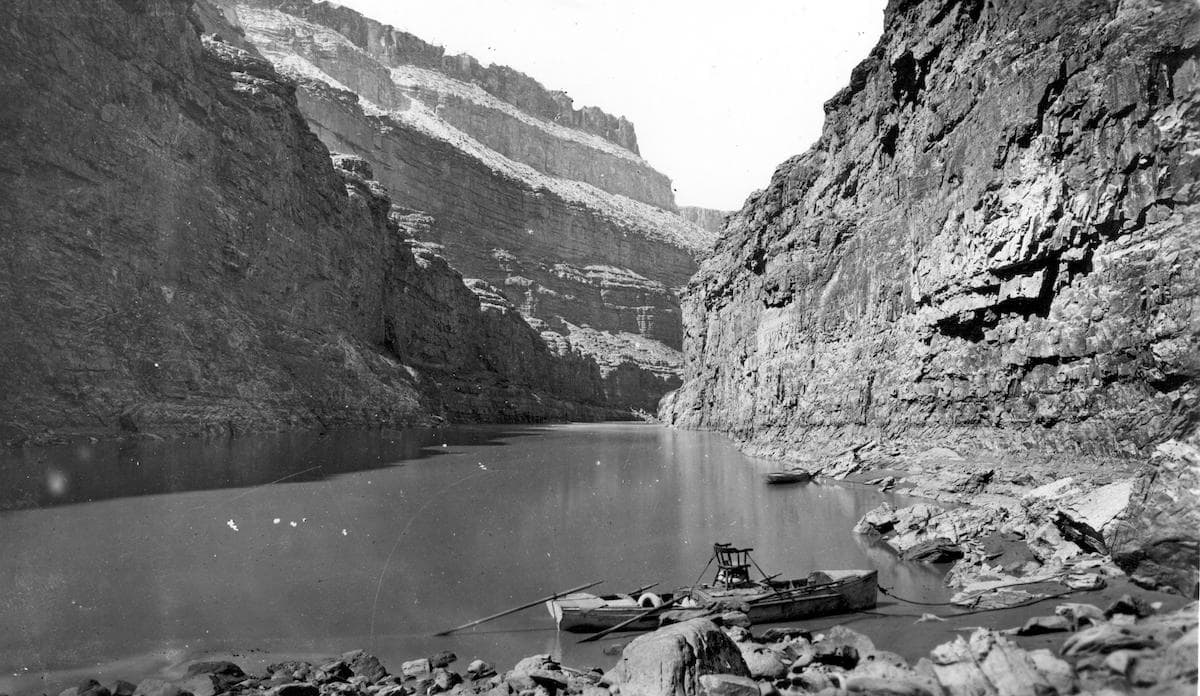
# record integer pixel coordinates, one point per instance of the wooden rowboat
(793, 475)
(822, 593)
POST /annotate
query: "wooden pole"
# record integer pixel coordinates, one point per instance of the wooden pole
(623, 624)
(638, 591)
(514, 610)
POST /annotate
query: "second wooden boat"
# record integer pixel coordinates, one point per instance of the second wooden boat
(793, 475)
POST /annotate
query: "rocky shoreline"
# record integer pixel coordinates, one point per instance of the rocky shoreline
(1026, 540)
(1008, 528)
(1125, 648)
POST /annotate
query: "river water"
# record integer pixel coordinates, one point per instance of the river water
(130, 559)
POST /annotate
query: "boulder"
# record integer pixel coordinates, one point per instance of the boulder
(797, 651)
(1107, 638)
(478, 669)
(122, 688)
(443, 659)
(364, 664)
(811, 681)
(1087, 519)
(857, 684)
(843, 656)
(728, 685)
(445, 680)
(671, 660)
(201, 685)
(549, 680)
(1128, 604)
(416, 668)
(1080, 614)
(222, 668)
(880, 520)
(987, 663)
(290, 670)
(1085, 581)
(738, 634)
(295, 689)
(334, 671)
(762, 661)
(1057, 671)
(534, 663)
(1157, 541)
(91, 687)
(841, 647)
(157, 687)
(1038, 625)
(939, 550)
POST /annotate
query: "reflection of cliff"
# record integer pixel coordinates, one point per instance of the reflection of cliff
(556, 210)
(993, 243)
(182, 256)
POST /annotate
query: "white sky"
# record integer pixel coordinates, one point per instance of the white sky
(720, 92)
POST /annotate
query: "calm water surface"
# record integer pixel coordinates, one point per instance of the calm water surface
(126, 559)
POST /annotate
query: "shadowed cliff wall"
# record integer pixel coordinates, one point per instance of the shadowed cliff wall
(182, 256)
(993, 243)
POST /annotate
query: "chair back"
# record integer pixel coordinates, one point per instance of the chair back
(733, 565)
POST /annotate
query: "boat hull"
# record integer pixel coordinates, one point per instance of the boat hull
(783, 477)
(847, 591)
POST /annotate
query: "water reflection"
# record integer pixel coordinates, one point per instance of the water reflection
(389, 538)
(93, 472)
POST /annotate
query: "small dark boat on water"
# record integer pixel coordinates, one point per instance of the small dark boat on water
(793, 475)
(821, 593)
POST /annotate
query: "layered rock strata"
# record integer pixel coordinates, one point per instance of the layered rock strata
(993, 243)
(182, 255)
(707, 218)
(576, 230)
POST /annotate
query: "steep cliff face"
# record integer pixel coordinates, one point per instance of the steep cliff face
(394, 48)
(182, 256)
(993, 243)
(576, 231)
(707, 218)
(504, 110)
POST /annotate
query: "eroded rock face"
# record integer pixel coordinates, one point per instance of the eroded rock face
(394, 47)
(182, 256)
(570, 225)
(1157, 539)
(709, 218)
(993, 244)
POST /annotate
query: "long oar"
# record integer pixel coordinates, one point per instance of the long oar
(623, 624)
(514, 610)
(638, 591)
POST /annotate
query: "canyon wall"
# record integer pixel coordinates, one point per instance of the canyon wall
(575, 229)
(183, 256)
(994, 243)
(707, 218)
(393, 47)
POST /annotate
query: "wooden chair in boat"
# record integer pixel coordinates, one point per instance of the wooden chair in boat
(733, 565)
